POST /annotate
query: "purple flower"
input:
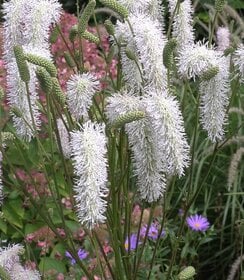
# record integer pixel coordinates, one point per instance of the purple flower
(197, 223)
(132, 240)
(82, 254)
(152, 232)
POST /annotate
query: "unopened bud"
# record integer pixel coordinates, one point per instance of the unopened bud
(41, 61)
(210, 73)
(168, 52)
(22, 64)
(219, 5)
(187, 273)
(115, 6)
(128, 118)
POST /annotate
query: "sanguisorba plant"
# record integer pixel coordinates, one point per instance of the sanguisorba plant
(115, 144)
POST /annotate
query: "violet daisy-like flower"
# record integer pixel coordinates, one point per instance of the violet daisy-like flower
(197, 223)
(82, 254)
(90, 167)
(153, 231)
(131, 242)
(80, 90)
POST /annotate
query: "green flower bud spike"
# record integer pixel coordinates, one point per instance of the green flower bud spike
(7, 136)
(54, 35)
(210, 73)
(168, 52)
(115, 6)
(16, 111)
(109, 27)
(229, 50)
(91, 37)
(219, 5)
(85, 16)
(187, 273)
(45, 79)
(58, 92)
(73, 32)
(128, 118)
(69, 60)
(22, 64)
(111, 54)
(1, 93)
(3, 274)
(41, 61)
(130, 54)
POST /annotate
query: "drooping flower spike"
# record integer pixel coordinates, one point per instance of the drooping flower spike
(90, 167)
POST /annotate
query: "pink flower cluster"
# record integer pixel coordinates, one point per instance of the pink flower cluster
(93, 61)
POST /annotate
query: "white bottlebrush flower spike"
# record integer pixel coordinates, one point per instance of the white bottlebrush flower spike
(14, 14)
(9, 256)
(17, 97)
(147, 42)
(150, 8)
(122, 103)
(90, 168)
(27, 24)
(223, 38)
(182, 25)
(214, 96)
(167, 121)
(18, 272)
(239, 60)
(143, 142)
(146, 159)
(64, 137)
(38, 22)
(194, 60)
(80, 91)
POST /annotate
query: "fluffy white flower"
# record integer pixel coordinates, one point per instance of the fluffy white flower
(80, 90)
(18, 272)
(182, 25)
(14, 13)
(223, 38)
(90, 167)
(122, 103)
(146, 160)
(151, 8)
(165, 116)
(17, 97)
(147, 42)
(26, 24)
(10, 256)
(143, 143)
(214, 96)
(239, 60)
(43, 14)
(195, 60)
(64, 137)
